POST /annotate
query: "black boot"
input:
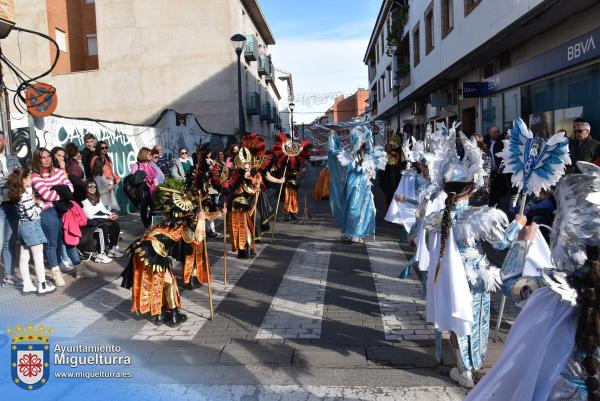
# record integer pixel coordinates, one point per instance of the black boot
(242, 254)
(158, 319)
(293, 218)
(250, 252)
(193, 284)
(286, 217)
(174, 318)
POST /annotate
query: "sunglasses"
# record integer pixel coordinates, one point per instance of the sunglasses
(183, 153)
(103, 147)
(92, 186)
(578, 131)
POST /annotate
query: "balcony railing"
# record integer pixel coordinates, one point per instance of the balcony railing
(264, 65)
(251, 48)
(270, 77)
(253, 103)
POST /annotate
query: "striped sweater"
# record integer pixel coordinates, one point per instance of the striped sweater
(43, 184)
(27, 209)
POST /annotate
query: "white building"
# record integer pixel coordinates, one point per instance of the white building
(486, 62)
(154, 55)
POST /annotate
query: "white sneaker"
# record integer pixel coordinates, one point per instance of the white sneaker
(29, 288)
(84, 272)
(66, 266)
(464, 379)
(102, 258)
(45, 287)
(57, 277)
(115, 253)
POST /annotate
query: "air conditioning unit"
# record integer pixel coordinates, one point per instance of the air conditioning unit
(432, 111)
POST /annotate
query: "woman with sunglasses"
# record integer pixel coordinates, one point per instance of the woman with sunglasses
(103, 173)
(182, 166)
(100, 217)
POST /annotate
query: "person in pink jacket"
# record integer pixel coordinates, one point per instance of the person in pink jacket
(144, 163)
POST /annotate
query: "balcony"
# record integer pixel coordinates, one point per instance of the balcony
(264, 65)
(252, 103)
(251, 48)
(270, 77)
(265, 112)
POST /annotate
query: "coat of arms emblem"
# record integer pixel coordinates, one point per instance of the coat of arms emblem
(30, 356)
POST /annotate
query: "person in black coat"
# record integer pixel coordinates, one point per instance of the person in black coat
(584, 147)
(500, 186)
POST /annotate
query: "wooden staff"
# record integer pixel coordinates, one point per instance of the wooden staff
(225, 248)
(278, 199)
(208, 273)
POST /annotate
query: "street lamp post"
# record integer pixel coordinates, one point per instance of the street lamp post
(291, 106)
(239, 41)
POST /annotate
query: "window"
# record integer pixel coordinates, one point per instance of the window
(90, 1)
(429, 39)
(383, 86)
(470, 6)
(61, 39)
(390, 80)
(92, 45)
(447, 17)
(377, 53)
(416, 46)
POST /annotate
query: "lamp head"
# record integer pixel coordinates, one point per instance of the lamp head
(238, 41)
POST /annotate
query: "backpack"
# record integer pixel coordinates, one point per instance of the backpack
(134, 187)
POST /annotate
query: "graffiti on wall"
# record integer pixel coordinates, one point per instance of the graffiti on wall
(124, 141)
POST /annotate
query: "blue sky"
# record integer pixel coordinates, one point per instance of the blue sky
(322, 43)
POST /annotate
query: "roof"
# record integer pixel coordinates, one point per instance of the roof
(386, 5)
(257, 16)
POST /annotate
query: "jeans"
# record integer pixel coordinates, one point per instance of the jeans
(52, 228)
(8, 235)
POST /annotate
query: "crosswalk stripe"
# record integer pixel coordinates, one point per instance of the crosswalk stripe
(401, 301)
(195, 303)
(296, 310)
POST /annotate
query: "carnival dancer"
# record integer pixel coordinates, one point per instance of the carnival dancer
(460, 277)
(357, 221)
(553, 349)
(150, 272)
(400, 211)
(321, 188)
(290, 194)
(337, 179)
(290, 156)
(390, 178)
(263, 165)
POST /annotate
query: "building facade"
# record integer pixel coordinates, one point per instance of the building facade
(349, 108)
(486, 63)
(131, 60)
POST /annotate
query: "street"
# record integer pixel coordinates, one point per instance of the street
(309, 318)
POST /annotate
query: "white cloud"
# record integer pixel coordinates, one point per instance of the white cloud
(321, 69)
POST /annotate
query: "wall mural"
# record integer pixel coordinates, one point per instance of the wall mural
(124, 141)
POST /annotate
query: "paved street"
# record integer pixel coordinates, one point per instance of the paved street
(309, 318)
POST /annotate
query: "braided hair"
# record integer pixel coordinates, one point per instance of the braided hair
(588, 326)
(454, 191)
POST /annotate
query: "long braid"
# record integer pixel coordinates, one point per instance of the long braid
(446, 225)
(588, 326)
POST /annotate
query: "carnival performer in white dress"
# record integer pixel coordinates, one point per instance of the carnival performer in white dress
(552, 351)
(460, 277)
(403, 207)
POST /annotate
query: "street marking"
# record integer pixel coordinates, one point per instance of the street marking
(296, 310)
(195, 303)
(401, 301)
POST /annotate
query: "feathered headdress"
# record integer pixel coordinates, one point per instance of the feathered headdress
(177, 204)
(534, 163)
(413, 150)
(294, 152)
(446, 166)
(257, 148)
(370, 158)
(577, 222)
